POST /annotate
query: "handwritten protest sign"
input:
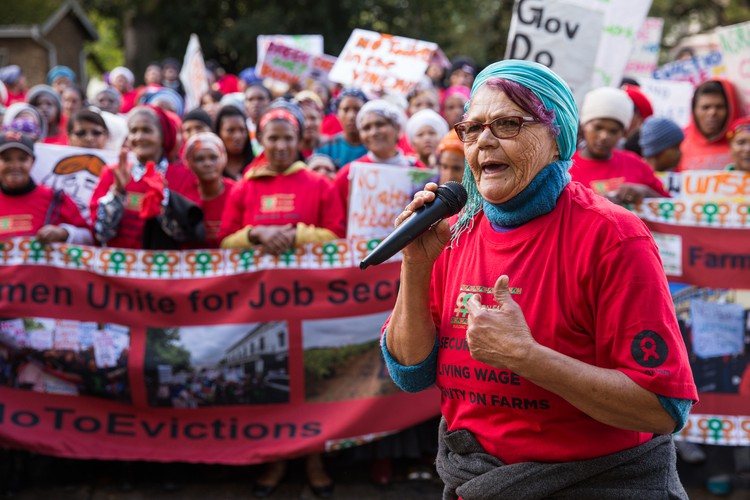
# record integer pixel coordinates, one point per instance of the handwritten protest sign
(669, 99)
(73, 170)
(563, 35)
(718, 329)
(622, 20)
(378, 194)
(379, 62)
(67, 335)
(695, 70)
(645, 56)
(312, 44)
(193, 74)
(290, 65)
(735, 46)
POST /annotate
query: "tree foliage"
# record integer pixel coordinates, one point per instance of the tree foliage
(153, 29)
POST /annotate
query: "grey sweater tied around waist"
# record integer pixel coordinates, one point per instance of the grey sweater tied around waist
(645, 472)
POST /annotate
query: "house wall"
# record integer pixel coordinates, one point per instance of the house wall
(29, 55)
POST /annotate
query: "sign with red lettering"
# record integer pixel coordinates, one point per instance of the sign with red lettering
(222, 356)
(287, 64)
(378, 194)
(378, 62)
(645, 55)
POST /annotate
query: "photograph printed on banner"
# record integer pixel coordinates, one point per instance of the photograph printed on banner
(715, 324)
(217, 365)
(57, 356)
(342, 359)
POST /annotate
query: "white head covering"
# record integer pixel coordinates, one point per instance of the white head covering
(387, 110)
(609, 103)
(426, 117)
(122, 71)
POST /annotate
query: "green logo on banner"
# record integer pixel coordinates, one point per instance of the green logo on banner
(372, 244)
(667, 209)
(246, 259)
(711, 210)
(203, 261)
(287, 257)
(330, 250)
(37, 251)
(160, 263)
(74, 256)
(117, 261)
(715, 426)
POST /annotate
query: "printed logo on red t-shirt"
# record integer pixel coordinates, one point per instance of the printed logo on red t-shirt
(649, 349)
(15, 224)
(604, 186)
(277, 203)
(465, 292)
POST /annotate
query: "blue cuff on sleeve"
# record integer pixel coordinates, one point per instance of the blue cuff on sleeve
(678, 409)
(411, 378)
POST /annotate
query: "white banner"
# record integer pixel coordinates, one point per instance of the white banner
(735, 46)
(645, 56)
(695, 70)
(73, 170)
(312, 44)
(718, 329)
(378, 62)
(193, 74)
(561, 34)
(378, 194)
(290, 65)
(669, 99)
(623, 19)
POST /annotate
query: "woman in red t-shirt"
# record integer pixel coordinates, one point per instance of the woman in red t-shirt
(206, 156)
(129, 194)
(280, 203)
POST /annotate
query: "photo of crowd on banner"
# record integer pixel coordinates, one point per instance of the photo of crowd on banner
(74, 358)
(238, 365)
(308, 148)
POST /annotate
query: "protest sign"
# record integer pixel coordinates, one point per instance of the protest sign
(233, 362)
(73, 170)
(695, 70)
(622, 20)
(377, 62)
(312, 44)
(735, 47)
(193, 74)
(563, 35)
(290, 65)
(645, 55)
(378, 194)
(670, 99)
(718, 329)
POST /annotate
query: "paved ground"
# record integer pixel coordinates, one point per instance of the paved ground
(69, 480)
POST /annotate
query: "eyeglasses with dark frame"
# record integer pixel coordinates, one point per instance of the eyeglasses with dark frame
(504, 127)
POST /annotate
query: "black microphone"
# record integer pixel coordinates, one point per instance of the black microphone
(449, 199)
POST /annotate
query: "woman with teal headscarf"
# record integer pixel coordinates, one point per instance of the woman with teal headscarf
(542, 313)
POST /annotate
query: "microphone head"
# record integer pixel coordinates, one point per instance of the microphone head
(454, 196)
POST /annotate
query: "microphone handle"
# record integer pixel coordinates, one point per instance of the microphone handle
(408, 231)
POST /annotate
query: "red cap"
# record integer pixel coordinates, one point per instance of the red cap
(642, 104)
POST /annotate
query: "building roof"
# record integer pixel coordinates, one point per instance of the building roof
(27, 21)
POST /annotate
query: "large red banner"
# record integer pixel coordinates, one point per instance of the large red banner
(183, 356)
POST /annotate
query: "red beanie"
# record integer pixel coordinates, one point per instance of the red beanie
(642, 104)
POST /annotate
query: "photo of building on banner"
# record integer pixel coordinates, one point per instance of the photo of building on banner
(377, 62)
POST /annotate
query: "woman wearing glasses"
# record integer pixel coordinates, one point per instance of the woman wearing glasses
(555, 300)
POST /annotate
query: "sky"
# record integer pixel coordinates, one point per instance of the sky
(208, 344)
(342, 331)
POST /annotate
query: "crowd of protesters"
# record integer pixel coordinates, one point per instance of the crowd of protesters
(260, 165)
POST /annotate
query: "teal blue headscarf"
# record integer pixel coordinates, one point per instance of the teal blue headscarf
(554, 94)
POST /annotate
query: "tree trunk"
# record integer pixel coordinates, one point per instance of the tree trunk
(140, 40)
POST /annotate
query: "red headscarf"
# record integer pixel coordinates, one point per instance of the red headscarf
(169, 128)
(642, 104)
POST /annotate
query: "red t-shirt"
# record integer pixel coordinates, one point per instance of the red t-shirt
(604, 176)
(212, 213)
(591, 285)
(130, 233)
(25, 214)
(301, 196)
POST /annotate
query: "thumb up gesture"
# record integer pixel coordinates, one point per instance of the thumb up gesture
(498, 335)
